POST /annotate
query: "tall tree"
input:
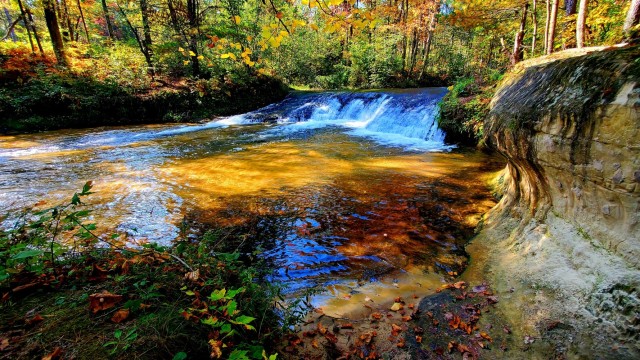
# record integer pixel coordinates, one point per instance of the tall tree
(27, 26)
(54, 31)
(107, 19)
(67, 18)
(551, 31)
(518, 48)
(10, 33)
(581, 23)
(570, 6)
(633, 17)
(84, 23)
(534, 19)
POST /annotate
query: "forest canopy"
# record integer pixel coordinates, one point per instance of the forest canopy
(312, 43)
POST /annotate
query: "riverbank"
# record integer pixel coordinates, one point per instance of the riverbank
(50, 100)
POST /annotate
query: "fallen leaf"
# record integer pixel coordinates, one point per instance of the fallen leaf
(331, 337)
(463, 348)
(451, 345)
(395, 329)
(406, 318)
(4, 343)
(411, 306)
(418, 330)
(460, 285)
(396, 306)
(367, 337)
(401, 343)
(376, 316)
(346, 326)
(486, 336)
(57, 352)
(418, 339)
(34, 320)
(311, 333)
(314, 343)
(192, 276)
(103, 301)
(295, 341)
(321, 329)
(120, 316)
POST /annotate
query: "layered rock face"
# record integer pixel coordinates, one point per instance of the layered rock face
(567, 231)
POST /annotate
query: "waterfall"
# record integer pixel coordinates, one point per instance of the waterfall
(405, 118)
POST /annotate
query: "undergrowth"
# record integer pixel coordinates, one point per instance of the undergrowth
(66, 290)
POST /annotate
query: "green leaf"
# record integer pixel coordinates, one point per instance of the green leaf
(87, 186)
(231, 307)
(117, 334)
(75, 200)
(238, 355)
(180, 356)
(189, 292)
(232, 293)
(226, 328)
(218, 295)
(27, 254)
(243, 320)
(211, 321)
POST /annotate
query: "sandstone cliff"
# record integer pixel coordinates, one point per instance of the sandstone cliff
(563, 246)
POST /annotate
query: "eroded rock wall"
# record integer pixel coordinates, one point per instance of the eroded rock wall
(567, 231)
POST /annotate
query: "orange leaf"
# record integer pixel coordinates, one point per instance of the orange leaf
(279, 15)
(120, 316)
(4, 343)
(103, 301)
(486, 336)
(347, 326)
(57, 352)
(34, 320)
(406, 318)
(314, 343)
(216, 348)
(376, 316)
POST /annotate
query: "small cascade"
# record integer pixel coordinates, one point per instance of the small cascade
(404, 118)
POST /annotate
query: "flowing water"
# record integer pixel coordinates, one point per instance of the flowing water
(354, 193)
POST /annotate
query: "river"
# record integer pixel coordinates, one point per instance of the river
(352, 193)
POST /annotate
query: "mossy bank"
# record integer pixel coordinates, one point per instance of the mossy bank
(64, 100)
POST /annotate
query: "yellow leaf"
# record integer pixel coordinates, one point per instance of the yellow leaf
(237, 19)
(186, 62)
(314, 27)
(249, 38)
(284, 33)
(200, 57)
(180, 49)
(191, 53)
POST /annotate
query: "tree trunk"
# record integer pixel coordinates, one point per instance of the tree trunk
(54, 31)
(546, 26)
(552, 26)
(518, 48)
(148, 54)
(534, 19)
(570, 6)
(107, 19)
(35, 31)
(194, 25)
(67, 18)
(11, 33)
(427, 50)
(633, 17)
(26, 25)
(84, 23)
(581, 22)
